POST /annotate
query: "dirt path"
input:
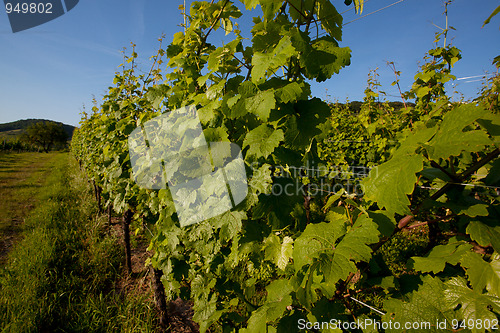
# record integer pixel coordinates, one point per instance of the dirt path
(22, 176)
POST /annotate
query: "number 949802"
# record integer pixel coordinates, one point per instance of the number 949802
(29, 8)
(475, 324)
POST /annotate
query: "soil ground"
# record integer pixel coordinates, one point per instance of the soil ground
(180, 312)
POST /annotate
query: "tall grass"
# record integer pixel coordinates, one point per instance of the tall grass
(60, 277)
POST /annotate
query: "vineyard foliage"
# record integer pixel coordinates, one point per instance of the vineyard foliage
(277, 258)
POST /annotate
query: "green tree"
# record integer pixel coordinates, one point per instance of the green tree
(45, 135)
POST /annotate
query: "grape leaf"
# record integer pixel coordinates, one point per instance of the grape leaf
(352, 248)
(315, 239)
(389, 183)
(261, 104)
(324, 310)
(261, 180)
(319, 242)
(423, 305)
(304, 125)
(278, 298)
(230, 223)
(291, 92)
(271, 61)
(262, 141)
(436, 260)
(414, 140)
(270, 8)
(473, 304)
(481, 273)
(332, 199)
(451, 140)
(279, 253)
(491, 122)
(493, 177)
(250, 4)
(385, 221)
(214, 62)
(484, 235)
(205, 306)
(324, 58)
(468, 209)
(331, 20)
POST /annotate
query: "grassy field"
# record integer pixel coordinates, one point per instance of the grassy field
(10, 135)
(22, 176)
(64, 274)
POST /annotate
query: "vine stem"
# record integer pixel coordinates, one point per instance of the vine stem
(393, 67)
(215, 21)
(442, 218)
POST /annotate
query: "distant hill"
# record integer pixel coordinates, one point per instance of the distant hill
(15, 128)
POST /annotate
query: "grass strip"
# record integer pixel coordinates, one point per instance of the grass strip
(60, 277)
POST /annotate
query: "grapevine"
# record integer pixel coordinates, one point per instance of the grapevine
(274, 260)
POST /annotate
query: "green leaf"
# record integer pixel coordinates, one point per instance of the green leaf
(332, 199)
(229, 223)
(331, 20)
(270, 8)
(272, 60)
(451, 140)
(262, 141)
(493, 177)
(227, 25)
(495, 12)
(261, 104)
(250, 4)
(316, 239)
(279, 253)
(436, 260)
(247, 89)
(260, 182)
(215, 89)
(278, 298)
(469, 210)
(414, 141)
(422, 306)
(278, 290)
(305, 124)
(206, 312)
(319, 242)
(483, 274)
(215, 134)
(391, 182)
(385, 221)
(491, 122)
(484, 235)
(214, 60)
(306, 294)
(324, 58)
(323, 311)
(422, 91)
(291, 92)
(352, 248)
(474, 305)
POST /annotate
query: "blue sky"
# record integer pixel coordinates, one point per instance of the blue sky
(52, 70)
